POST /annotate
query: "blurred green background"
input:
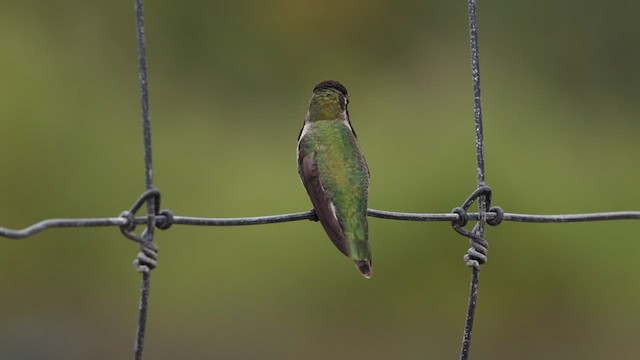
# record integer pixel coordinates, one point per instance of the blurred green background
(229, 86)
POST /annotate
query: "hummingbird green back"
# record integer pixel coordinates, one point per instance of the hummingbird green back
(335, 173)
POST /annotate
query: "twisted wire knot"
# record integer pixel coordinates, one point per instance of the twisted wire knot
(463, 217)
(128, 228)
(147, 258)
(477, 253)
(131, 221)
(166, 221)
(163, 222)
(499, 215)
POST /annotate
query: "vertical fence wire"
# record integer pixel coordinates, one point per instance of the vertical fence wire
(151, 204)
(482, 200)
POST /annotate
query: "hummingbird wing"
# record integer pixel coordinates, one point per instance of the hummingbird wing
(325, 210)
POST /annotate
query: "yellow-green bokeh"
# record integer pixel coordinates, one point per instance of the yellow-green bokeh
(229, 85)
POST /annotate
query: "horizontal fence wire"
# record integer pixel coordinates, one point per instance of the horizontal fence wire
(307, 215)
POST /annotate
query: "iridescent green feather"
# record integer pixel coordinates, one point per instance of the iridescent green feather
(335, 172)
(345, 179)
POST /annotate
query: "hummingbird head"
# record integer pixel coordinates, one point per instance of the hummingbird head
(328, 102)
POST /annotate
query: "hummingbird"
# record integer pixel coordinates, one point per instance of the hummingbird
(335, 173)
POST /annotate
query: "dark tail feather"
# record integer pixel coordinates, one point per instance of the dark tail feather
(364, 267)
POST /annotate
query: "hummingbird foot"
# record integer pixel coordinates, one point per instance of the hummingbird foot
(313, 216)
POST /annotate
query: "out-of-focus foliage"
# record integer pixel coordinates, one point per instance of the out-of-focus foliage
(229, 85)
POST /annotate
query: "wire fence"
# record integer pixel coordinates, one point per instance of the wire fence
(146, 260)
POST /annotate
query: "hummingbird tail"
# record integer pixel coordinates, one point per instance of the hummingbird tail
(364, 267)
